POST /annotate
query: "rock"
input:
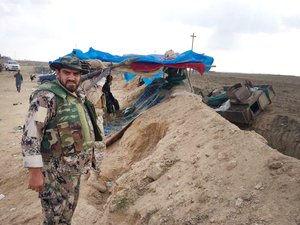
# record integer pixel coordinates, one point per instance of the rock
(155, 172)
(231, 165)
(239, 202)
(247, 197)
(154, 220)
(259, 186)
(223, 156)
(274, 165)
(2, 196)
(95, 182)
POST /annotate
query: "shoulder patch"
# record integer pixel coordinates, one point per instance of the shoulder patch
(41, 114)
(38, 95)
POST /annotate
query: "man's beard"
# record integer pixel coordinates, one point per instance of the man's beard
(70, 85)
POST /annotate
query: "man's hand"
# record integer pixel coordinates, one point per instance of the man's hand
(36, 179)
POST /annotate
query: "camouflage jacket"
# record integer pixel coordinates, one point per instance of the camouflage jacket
(58, 132)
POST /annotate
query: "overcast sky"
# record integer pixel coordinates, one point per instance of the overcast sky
(251, 36)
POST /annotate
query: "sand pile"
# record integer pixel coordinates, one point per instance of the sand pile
(182, 163)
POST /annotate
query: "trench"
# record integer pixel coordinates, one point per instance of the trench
(283, 134)
(281, 131)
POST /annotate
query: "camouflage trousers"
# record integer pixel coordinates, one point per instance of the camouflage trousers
(59, 198)
(99, 151)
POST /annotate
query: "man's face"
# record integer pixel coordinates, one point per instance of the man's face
(69, 78)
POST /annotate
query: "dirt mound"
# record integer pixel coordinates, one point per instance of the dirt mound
(203, 170)
(142, 145)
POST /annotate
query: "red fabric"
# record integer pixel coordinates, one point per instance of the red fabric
(148, 67)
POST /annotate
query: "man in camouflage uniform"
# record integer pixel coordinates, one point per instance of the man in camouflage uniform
(95, 94)
(97, 98)
(58, 141)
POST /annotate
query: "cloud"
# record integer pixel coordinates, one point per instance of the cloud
(292, 21)
(47, 29)
(230, 20)
(9, 9)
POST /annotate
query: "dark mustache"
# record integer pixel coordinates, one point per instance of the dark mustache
(71, 82)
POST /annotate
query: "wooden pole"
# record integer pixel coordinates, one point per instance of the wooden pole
(189, 73)
(193, 36)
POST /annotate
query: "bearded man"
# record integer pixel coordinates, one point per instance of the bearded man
(58, 141)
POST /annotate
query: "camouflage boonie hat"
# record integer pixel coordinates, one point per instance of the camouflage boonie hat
(69, 62)
(95, 64)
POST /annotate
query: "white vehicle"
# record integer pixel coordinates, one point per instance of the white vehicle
(11, 65)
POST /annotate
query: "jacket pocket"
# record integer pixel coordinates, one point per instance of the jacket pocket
(51, 144)
(71, 137)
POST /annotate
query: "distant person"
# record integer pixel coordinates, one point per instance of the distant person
(32, 77)
(58, 141)
(19, 80)
(112, 104)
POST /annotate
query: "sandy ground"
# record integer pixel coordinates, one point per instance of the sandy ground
(178, 163)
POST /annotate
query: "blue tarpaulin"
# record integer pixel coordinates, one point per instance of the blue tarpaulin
(129, 76)
(185, 57)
